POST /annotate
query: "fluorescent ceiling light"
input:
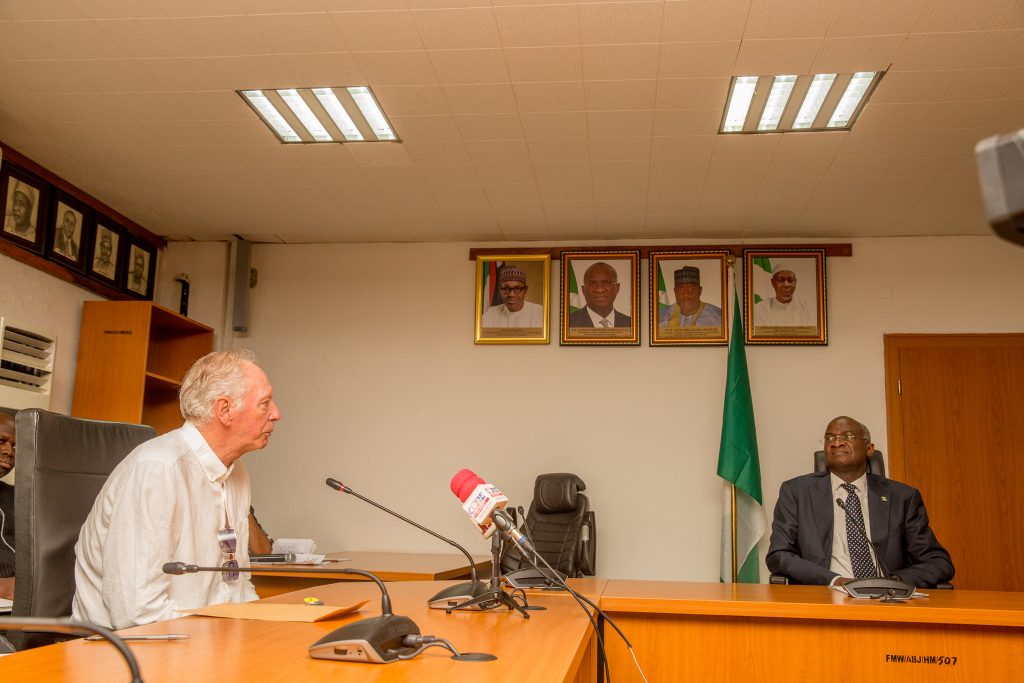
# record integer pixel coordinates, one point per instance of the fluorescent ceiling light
(782, 88)
(816, 94)
(271, 116)
(332, 105)
(855, 91)
(367, 104)
(325, 115)
(739, 102)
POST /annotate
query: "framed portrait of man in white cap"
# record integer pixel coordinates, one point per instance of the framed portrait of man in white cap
(687, 298)
(105, 257)
(140, 265)
(513, 292)
(784, 296)
(25, 203)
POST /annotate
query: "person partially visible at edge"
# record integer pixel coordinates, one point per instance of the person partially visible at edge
(8, 444)
(182, 496)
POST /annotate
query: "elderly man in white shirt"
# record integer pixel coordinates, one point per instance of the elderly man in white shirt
(178, 497)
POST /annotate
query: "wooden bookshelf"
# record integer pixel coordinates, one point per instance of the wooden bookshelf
(132, 356)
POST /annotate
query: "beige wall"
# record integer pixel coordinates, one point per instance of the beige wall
(371, 354)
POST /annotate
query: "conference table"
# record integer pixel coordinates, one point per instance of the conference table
(680, 632)
(753, 632)
(552, 646)
(388, 566)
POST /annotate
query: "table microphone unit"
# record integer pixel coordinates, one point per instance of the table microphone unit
(448, 597)
(377, 640)
(882, 586)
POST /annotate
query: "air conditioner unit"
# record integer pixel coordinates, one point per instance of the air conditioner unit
(26, 366)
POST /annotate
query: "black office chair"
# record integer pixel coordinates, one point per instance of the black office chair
(62, 465)
(876, 465)
(561, 525)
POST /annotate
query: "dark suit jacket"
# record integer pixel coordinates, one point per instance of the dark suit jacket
(801, 545)
(581, 318)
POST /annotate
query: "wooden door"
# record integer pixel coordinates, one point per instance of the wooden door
(955, 410)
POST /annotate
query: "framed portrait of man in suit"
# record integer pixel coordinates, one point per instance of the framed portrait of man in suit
(784, 296)
(600, 295)
(140, 267)
(513, 292)
(69, 231)
(105, 258)
(687, 298)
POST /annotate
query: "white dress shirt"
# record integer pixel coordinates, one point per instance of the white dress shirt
(841, 562)
(165, 502)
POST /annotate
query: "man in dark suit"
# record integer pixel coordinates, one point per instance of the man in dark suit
(600, 287)
(815, 540)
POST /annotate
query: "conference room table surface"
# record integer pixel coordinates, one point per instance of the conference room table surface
(388, 566)
(741, 632)
(552, 646)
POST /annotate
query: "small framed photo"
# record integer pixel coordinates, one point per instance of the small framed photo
(140, 264)
(687, 295)
(600, 297)
(105, 261)
(70, 222)
(513, 294)
(784, 296)
(25, 204)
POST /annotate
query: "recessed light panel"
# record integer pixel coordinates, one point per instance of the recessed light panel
(785, 103)
(322, 115)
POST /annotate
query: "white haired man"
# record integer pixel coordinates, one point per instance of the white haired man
(180, 496)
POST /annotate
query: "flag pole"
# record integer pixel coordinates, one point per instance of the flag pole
(732, 514)
(731, 261)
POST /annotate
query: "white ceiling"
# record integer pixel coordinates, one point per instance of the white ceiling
(520, 119)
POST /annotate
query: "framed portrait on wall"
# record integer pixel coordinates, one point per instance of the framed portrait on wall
(105, 260)
(600, 295)
(139, 267)
(687, 298)
(784, 298)
(69, 228)
(25, 205)
(513, 294)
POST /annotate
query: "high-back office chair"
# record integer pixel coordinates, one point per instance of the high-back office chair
(62, 464)
(561, 525)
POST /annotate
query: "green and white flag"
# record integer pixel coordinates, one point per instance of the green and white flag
(576, 301)
(738, 463)
(663, 301)
(761, 276)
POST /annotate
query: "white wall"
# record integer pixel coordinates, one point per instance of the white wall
(370, 350)
(37, 299)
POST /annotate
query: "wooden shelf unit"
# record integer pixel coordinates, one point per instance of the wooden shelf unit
(132, 356)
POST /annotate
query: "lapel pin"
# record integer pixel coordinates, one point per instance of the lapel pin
(885, 499)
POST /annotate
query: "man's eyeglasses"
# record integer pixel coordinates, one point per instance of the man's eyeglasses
(603, 284)
(228, 542)
(512, 290)
(840, 438)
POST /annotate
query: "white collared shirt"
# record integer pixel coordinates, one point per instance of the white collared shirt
(597, 318)
(164, 502)
(841, 562)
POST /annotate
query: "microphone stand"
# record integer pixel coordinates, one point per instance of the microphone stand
(495, 594)
(447, 597)
(75, 628)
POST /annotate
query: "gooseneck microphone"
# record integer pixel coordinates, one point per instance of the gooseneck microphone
(450, 596)
(378, 640)
(75, 628)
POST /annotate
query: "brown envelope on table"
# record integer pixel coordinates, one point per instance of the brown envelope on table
(267, 611)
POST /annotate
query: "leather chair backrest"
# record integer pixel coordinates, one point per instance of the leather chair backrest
(876, 462)
(63, 463)
(561, 526)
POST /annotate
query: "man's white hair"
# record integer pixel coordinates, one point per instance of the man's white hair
(215, 375)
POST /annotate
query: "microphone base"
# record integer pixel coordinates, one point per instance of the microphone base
(491, 598)
(459, 593)
(377, 640)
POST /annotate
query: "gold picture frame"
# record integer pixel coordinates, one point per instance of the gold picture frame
(513, 310)
(784, 297)
(688, 298)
